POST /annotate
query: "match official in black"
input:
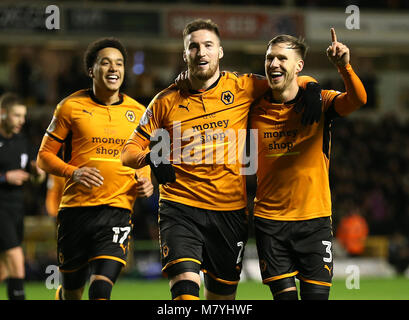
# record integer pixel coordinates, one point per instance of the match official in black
(16, 167)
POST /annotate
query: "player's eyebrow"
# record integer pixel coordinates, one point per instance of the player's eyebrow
(109, 59)
(195, 43)
(272, 56)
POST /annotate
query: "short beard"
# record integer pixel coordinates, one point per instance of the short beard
(202, 76)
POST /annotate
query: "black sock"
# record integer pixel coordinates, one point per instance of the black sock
(185, 290)
(287, 295)
(15, 289)
(100, 290)
(309, 291)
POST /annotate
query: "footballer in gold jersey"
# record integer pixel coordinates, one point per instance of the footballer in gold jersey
(293, 201)
(94, 219)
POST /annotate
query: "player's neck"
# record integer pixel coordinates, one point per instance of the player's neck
(106, 97)
(287, 94)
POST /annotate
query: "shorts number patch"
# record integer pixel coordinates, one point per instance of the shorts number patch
(240, 255)
(117, 233)
(327, 245)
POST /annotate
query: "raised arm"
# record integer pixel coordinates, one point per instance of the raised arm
(355, 95)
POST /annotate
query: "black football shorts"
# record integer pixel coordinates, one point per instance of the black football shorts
(11, 226)
(295, 248)
(88, 233)
(213, 241)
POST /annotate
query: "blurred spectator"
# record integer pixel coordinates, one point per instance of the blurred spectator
(352, 233)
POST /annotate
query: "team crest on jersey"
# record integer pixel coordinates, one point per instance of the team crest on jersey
(227, 97)
(130, 115)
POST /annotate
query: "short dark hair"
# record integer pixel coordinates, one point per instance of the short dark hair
(8, 100)
(295, 43)
(91, 53)
(201, 24)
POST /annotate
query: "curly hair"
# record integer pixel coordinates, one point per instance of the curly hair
(91, 53)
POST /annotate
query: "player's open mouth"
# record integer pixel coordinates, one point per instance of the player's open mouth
(202, 63)
(276, 76)
(112, 78)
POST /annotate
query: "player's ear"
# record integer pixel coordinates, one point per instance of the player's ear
(299, 66)
(184, 56)
(90, 73)
(221, 53)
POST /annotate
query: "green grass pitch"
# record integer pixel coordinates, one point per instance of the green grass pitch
(129, 289)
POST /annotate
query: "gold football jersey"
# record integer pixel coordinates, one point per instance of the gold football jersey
(293, 160)
(207, 131)
(93, 135)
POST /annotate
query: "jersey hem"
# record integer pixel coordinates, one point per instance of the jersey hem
(96, 205)
(200, 205)
(284, 218)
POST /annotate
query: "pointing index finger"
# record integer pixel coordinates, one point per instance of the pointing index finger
(333, 35)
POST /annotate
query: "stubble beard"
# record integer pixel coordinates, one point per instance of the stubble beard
(203, 75)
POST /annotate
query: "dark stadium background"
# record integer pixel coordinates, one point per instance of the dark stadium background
(370, 150)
